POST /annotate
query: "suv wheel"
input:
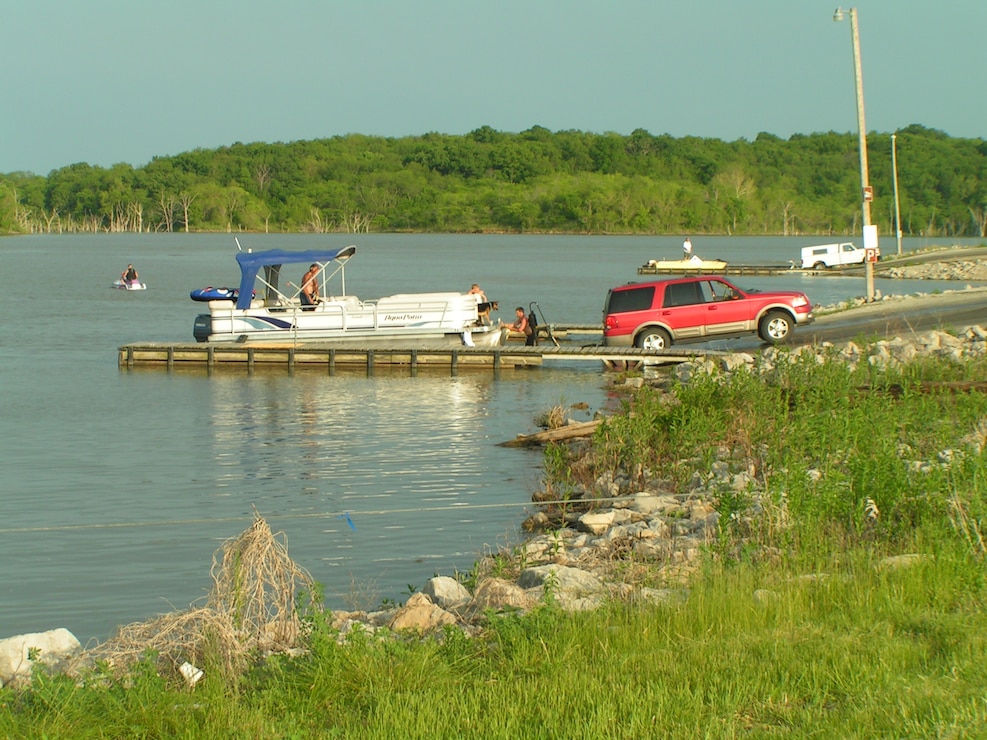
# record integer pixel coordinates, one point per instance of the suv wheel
(775, 327)
(653, 339)
(819, 266)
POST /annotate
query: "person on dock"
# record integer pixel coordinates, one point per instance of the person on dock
(310, 288)
(523, 326)
(687, 249)
(129, 275)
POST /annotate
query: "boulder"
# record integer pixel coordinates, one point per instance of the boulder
(596, 522)
(446, 592)
(562, 578)
(420, 615)
(19, 654)
(496, 593)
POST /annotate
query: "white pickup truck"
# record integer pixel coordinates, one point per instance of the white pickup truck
(831, 255)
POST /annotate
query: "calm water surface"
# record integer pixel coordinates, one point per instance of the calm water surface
(118, 486)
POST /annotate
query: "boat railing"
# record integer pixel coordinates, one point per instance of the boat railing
(439, 310)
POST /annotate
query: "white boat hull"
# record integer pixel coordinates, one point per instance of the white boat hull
(682, 265)
(398, 320)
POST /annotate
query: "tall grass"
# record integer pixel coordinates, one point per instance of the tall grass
(857, 452)
(810, 631)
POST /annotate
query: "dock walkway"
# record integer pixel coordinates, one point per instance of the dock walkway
(329, 358)
(733, 270)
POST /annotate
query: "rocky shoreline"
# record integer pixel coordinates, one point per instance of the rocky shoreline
(973, 270)
(581, 556)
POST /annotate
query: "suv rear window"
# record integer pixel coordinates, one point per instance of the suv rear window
(632, 299)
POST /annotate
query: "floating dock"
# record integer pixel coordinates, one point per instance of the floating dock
(788, 269)
(331, 358)
(721, 270)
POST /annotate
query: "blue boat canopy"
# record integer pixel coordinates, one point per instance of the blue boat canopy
(271, 261)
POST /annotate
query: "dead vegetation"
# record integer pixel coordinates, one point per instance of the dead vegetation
(252, 608)
(553, 418)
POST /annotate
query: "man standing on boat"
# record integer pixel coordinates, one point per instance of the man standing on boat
(310, 286)
(687, 249)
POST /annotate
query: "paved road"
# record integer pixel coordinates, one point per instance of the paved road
(905, 317)
(902, 317)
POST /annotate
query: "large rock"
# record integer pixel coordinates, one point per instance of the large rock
(561, 578)
(420, 615)
(446, 592)
(496, 593)
(19, 654)
(597, 522)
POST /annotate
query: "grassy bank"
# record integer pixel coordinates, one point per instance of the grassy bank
(844, 597)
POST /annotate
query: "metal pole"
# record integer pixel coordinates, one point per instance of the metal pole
(897, 207)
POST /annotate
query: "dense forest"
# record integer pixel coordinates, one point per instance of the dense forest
(533, 181)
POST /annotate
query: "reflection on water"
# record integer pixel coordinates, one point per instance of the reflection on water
(384, 438)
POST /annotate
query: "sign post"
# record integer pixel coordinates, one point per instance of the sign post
(871, 252)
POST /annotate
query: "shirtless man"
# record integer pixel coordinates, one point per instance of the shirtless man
(310, 286)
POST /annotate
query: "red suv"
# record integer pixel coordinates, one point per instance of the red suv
(656, 314)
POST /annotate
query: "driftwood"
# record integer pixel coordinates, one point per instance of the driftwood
(569, 431)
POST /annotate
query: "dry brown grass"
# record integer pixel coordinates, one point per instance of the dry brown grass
(251, 608)
(555, 418)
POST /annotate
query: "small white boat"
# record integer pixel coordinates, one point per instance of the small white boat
(129, 284)
(269, 309)
(693, 264)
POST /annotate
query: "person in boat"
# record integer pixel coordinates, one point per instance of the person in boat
(687, 248)
(310, 287)
(129, 275)
(523, 326)
(483, 306)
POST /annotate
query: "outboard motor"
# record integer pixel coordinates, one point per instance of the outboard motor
(202, 328)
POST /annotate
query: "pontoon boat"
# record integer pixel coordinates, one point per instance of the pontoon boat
(269, 308)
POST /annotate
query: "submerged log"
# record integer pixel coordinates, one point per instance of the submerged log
(569, 431)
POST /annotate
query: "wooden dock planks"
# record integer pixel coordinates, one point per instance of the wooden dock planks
(330, 357)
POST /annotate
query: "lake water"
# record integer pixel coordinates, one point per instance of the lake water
(118, 486)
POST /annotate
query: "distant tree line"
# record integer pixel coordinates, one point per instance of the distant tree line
(533, 181)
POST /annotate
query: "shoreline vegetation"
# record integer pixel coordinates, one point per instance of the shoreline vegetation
(787, 544)
(534, 181)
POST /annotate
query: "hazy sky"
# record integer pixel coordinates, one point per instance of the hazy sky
(109, 81)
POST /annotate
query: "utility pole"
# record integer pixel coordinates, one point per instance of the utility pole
(897, 207)
(867, 194)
